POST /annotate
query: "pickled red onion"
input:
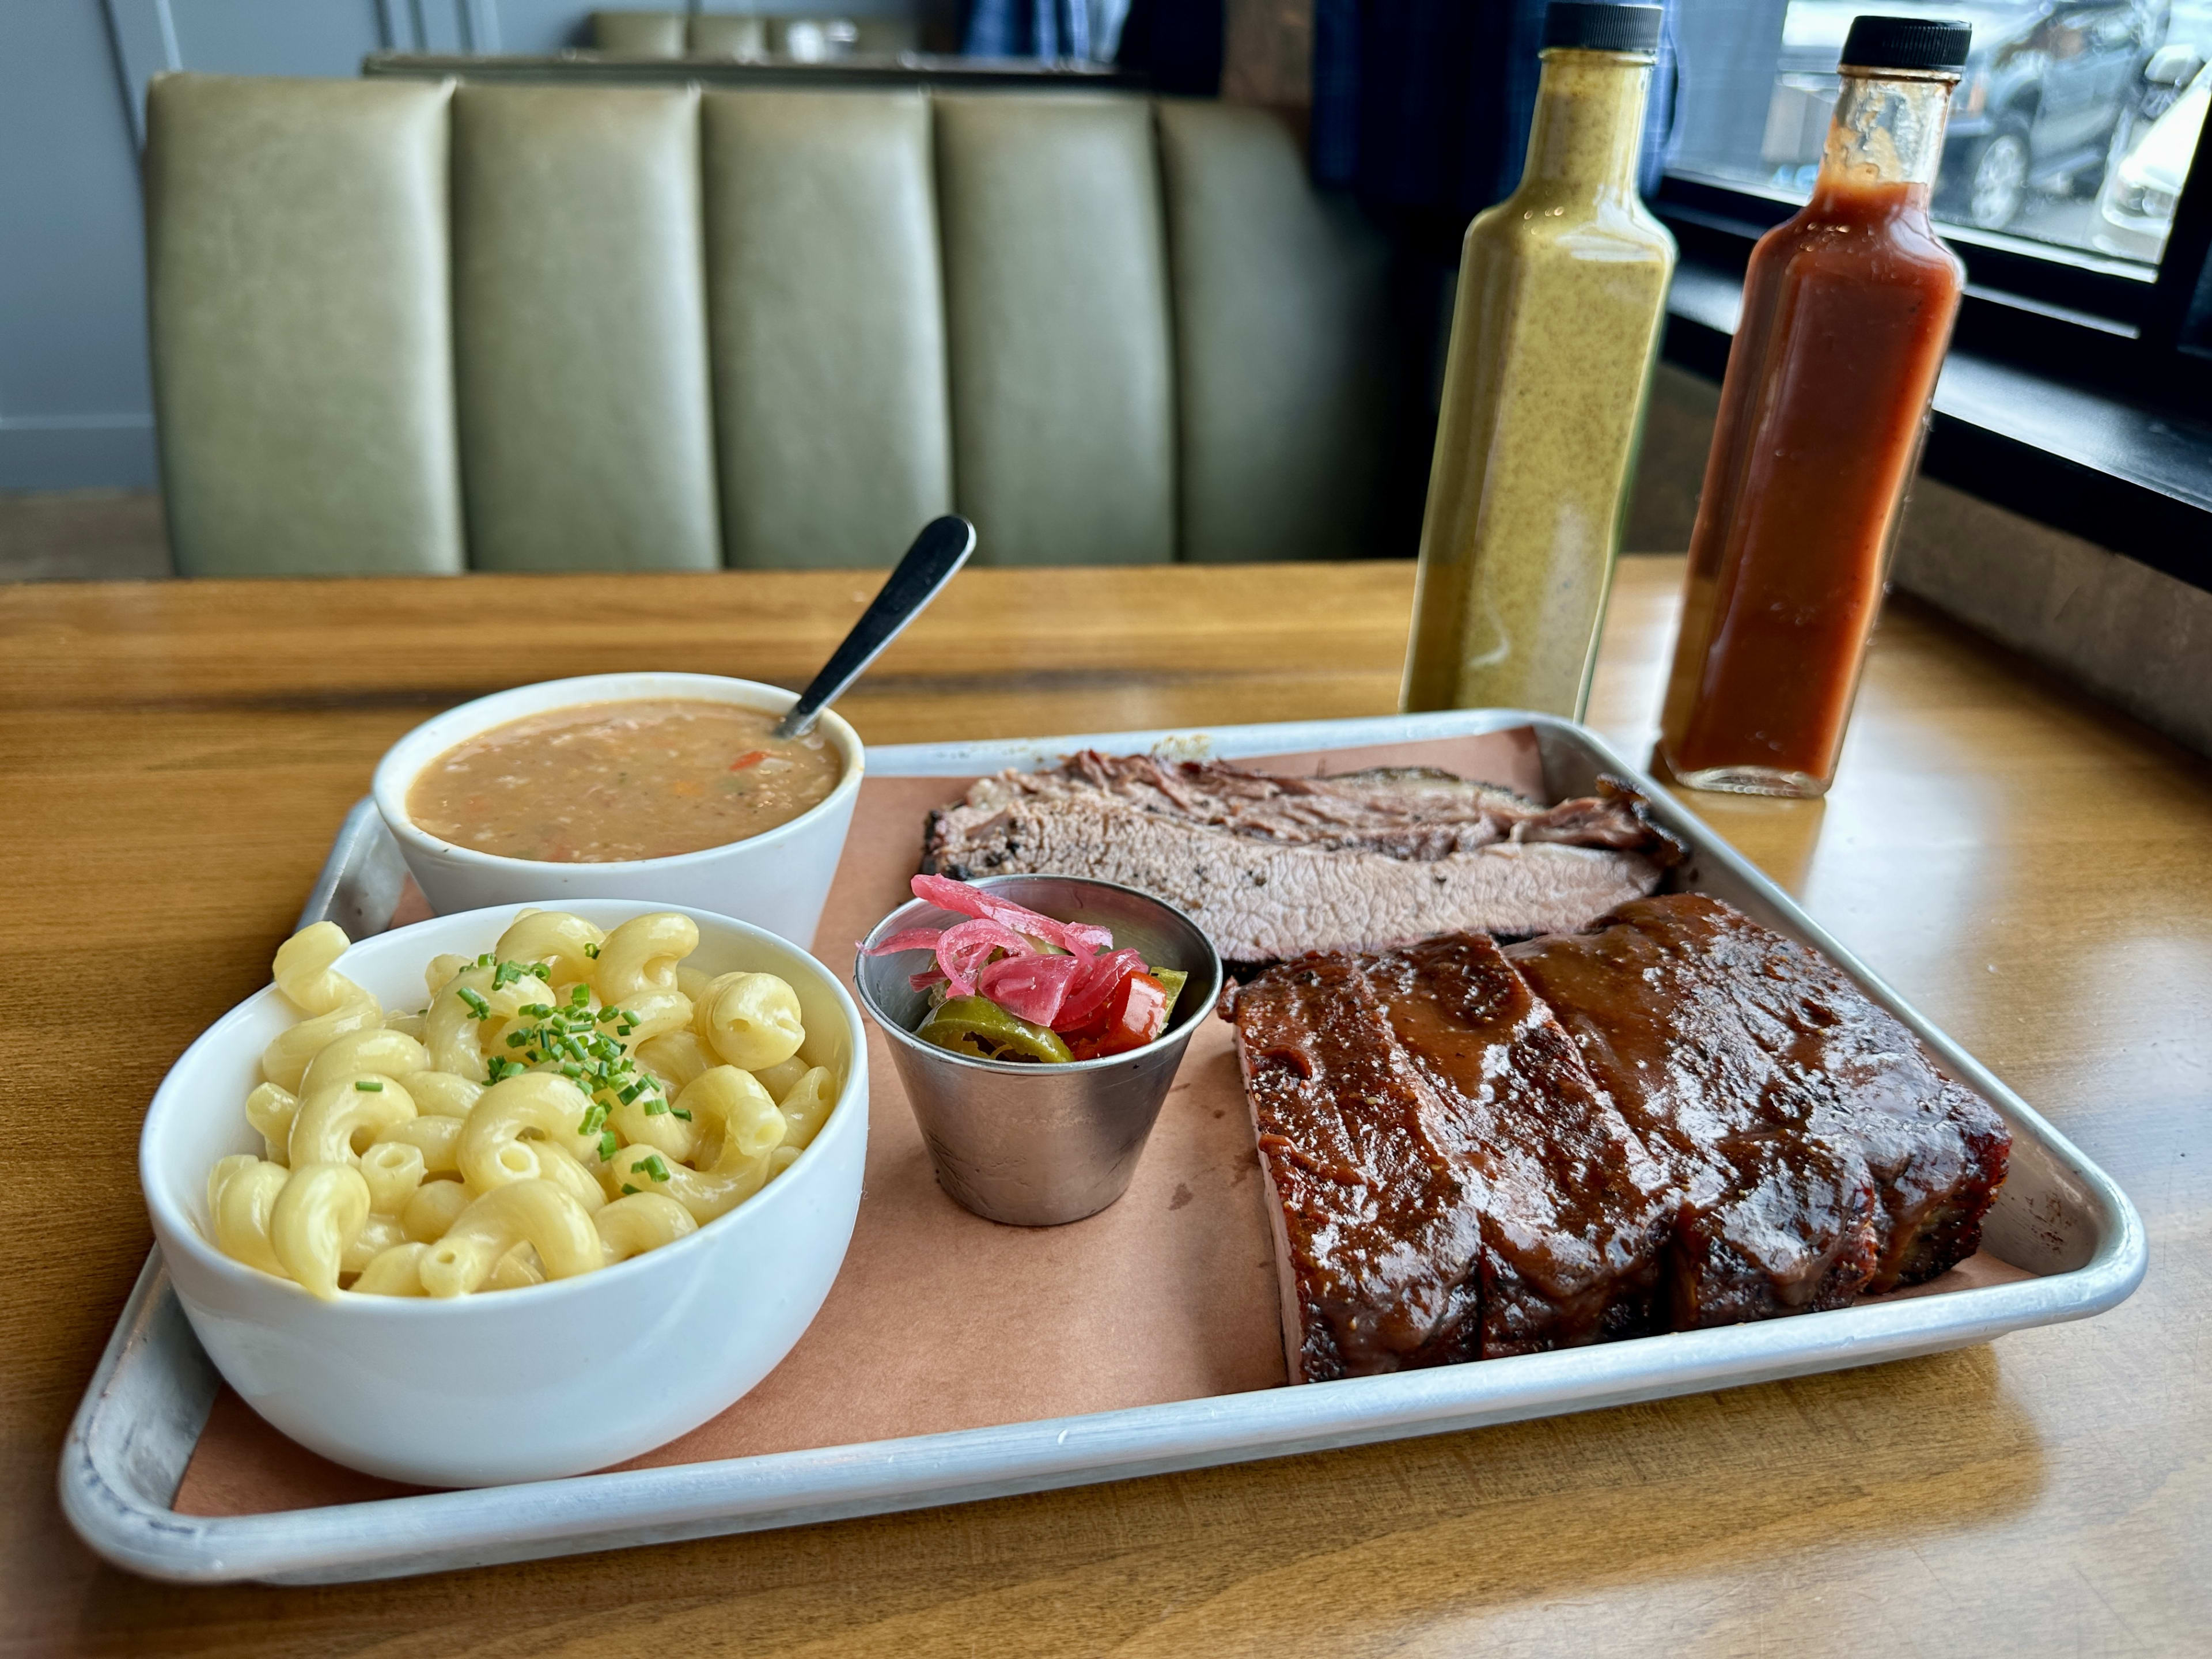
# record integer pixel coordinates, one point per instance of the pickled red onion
(913, 938)
(1078, 937)
(1030, 988)
(1000, 952)
(966, 948)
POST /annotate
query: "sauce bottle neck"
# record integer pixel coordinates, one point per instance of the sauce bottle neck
(1588, 124)
(1887, 136)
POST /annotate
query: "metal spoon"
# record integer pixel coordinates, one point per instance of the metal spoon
(940, 551)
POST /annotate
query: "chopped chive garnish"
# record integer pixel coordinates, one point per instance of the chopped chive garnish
(592, 952)
(653, 1167)
(368, 1085)
(478, 1008)
(627, 1188)
(677, 1111)
(568, 1039)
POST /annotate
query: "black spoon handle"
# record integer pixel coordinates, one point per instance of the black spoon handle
(940, 551)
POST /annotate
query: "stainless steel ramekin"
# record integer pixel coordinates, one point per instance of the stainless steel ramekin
(1035, 1146)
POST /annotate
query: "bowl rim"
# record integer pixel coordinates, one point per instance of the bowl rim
(455, 726)
(172, 1222)
(1179, 1032)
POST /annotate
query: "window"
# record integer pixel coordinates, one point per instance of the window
(2071, 134)
(2076, 184)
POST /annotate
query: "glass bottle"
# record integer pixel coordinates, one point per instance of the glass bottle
(1847, 314)
(1561, 290)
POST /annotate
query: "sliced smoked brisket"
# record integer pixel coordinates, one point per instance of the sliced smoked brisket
(1449, 1184)
(1274, 867)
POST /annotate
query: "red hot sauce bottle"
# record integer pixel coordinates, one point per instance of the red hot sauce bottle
(1847, 312)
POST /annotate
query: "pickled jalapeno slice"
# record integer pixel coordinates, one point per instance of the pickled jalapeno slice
(978, 1027)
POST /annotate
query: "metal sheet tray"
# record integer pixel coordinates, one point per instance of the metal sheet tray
(2057, 1216)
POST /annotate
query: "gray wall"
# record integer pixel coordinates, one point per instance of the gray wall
(75, 405)
(76, 409)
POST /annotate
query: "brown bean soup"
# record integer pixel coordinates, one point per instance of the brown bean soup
(608, 781)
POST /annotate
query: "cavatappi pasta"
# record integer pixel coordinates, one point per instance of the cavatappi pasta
(565, 1101)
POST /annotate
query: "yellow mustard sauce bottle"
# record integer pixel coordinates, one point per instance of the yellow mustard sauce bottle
(1562, 287)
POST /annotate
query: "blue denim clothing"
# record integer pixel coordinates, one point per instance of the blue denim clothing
(1028, 28)
(1422, 106)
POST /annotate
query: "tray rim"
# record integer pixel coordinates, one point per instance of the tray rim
(445, 1531)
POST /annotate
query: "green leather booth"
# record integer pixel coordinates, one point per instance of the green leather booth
(402, 326)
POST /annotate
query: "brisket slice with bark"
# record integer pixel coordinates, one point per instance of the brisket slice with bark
(1706, 1028)
(1451, 1185)
(1272, 867)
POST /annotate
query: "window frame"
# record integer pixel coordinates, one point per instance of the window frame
(2074, 316)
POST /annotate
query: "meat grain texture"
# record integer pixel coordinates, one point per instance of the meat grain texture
(1272, 867)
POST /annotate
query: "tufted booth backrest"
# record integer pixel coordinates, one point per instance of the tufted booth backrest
(420, 327)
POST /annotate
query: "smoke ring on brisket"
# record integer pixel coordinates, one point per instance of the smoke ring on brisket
(1272, 867)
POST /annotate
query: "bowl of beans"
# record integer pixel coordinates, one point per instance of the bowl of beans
(658, 786)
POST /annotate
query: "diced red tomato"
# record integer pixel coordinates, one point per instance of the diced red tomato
(1089, 998)
(1079, 1027)
(1135, 1014)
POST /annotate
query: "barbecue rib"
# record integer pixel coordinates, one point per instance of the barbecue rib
(1681, 1005)
(1272, 867)
(1774, 1218)
(1677, 1121)
(1450, 1186)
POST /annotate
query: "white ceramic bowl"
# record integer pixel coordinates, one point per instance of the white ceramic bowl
(510, 1385)
(777, 879)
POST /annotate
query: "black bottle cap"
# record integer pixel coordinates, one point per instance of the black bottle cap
(1907, 43)
(1601, 28)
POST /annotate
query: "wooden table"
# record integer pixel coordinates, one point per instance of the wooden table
(2031, 870)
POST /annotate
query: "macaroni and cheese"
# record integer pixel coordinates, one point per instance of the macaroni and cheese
(567, 1100)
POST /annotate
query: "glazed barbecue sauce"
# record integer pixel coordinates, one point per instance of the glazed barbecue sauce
(1847, 312)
